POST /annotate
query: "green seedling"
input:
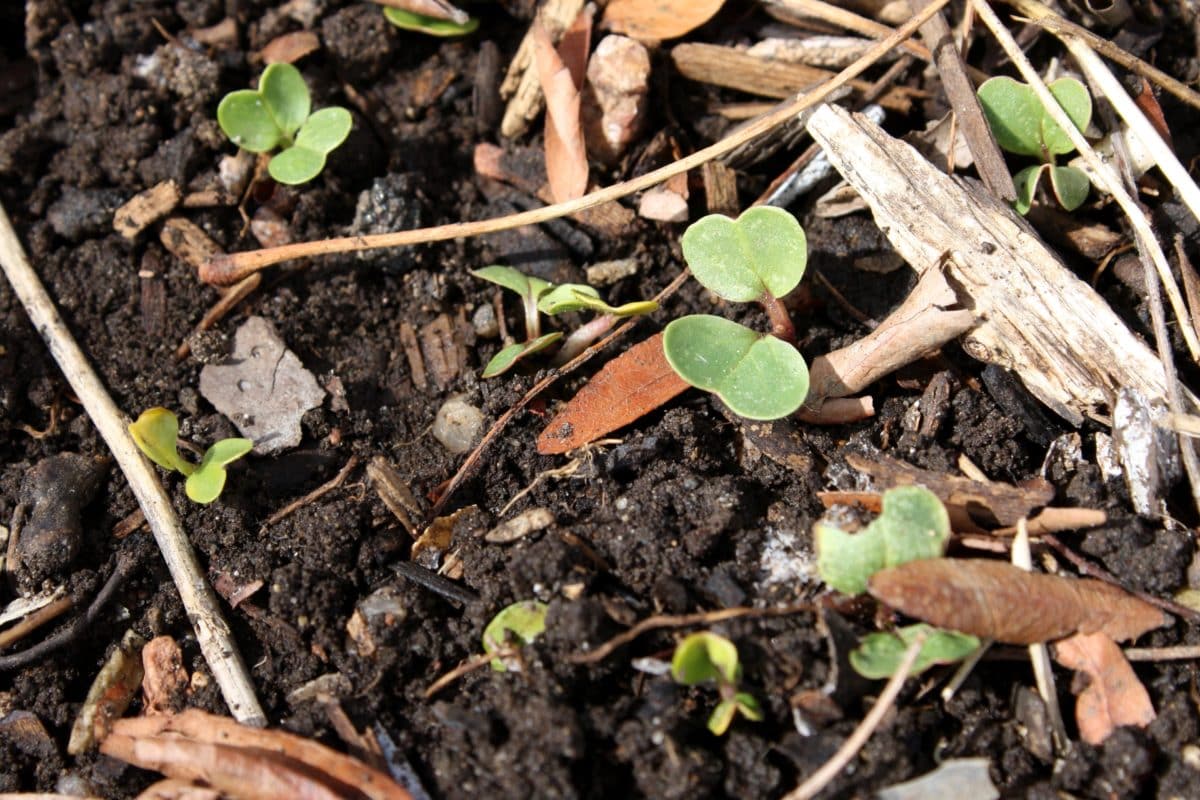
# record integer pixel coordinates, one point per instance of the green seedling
(542, 297)
(914, 524)
(277, 115)
(878, 656)
(759, 257)
(411, 21)
(520, 623)
(1021, 126)
(156, 433)
(706, 657)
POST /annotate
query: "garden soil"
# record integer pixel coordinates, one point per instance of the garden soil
(101, 100)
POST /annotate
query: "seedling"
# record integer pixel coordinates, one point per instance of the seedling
(914, 524)
(277, 115)
(411, 21)
(704, 657)
(522, 622)
(1022, 126)
(759, 257)
(879, 654)
(542, 297)
(156, 433)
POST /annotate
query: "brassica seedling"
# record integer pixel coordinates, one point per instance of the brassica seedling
(759, 257)
(412, 21)
(706, 657)
(913, 525)
(521, 622)
(542, 297)
(878, 655)
(156, 433)
(1021, 126)
(277, 115)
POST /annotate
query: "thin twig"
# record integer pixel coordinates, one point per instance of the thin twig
(849, 749)
(470, 665)
(314, 495)
(212, 632)
(35, 620)
(680, 621)
(225, 269)
(1181, 652)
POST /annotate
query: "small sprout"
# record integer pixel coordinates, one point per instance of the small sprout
(704, 657)
(156, 433)
(1022, 126)
(411, 21)
(504, 360)
(914, 525)
(522, 622)
(277, 115)
(527, 287)
(879, 654)
(759, 257)
(578, 297)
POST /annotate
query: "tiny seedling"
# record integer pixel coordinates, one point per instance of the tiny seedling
(411, 21)
(522, 622)
(156, 433)
(1021, 126)
(759, 257)
(878, 656)
(277, 115)
(914, 524)
(542, 297)
(704, 657)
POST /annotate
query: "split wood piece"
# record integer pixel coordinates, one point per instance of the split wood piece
(395, 494)
(765, 77)
(228, 269)
(843, 18)
(145, 208)
(241, 761)
(1006, 503)
(996, 600)
(961, 94)
(212, 632)
(1038, 319)
(720, 189)
(188, 242)
(521, 87)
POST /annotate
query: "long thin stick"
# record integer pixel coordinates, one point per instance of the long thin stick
(1108, 181)
(849, 749)
(213, 634)
(226, 269)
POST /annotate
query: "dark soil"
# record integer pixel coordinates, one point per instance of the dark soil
(676, 518)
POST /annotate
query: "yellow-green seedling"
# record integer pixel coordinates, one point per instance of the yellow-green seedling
(542, 297)
(156, 433)
(707, 657)
(411, 21)
(759, 257)
(277, 115)
(913, 525)
(520, 623)
(878, 655)
(1021, 126)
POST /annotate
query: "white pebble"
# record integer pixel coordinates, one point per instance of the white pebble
(458, 425)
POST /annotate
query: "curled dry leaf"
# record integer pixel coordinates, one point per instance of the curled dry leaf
(165, 681)
(561, 75)
(995, 600)
(1114, 697)
(244, 762)
(658, 20)
(632, 384)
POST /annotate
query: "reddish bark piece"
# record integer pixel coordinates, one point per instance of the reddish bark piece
(1114, 697)
(230, 756)
(995, 600)
(662, 19)
(561, 75)
(631, 385)
(164, 680)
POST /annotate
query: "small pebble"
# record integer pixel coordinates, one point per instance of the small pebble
(458, 425)
(485, 322)
(607, 273)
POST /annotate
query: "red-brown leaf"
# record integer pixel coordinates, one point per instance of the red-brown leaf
(654, 20)
(631, 385)
(561, 76)
(995, 600)
(1114, 697)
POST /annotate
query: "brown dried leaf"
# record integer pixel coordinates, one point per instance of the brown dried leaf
(1114, 697)
(631, 385)
(662, 19)
(165, 681)
(995, 600)
(171, 789)
(290, 47)
(561, 75)
(244, 762)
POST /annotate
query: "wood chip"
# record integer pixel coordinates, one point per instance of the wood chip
(186, 241)
(416, 362)
(720, 189)
(443, 351)
(395, 493)
(145, 208)
(521, 87)
(529, 521)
